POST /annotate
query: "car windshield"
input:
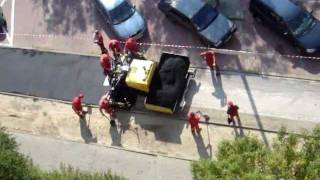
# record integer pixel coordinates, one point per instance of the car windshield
(121, 13)
(300, 23)
(204, 17)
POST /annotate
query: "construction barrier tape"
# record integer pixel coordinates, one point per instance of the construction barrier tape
(221, 51)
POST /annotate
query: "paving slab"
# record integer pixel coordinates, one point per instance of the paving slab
(49, 153)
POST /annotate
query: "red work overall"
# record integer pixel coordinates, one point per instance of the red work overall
(194, 119)
(77, 106)
(210, 58)
(105, 62)
(114, 46)
(131, 45)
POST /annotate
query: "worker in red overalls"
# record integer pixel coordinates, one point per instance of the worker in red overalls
(210, 58)
(114, 46)
(232, 112)
(98, 39)
(194, 119)
(77, 105)
(105, 107)
(105, 62)
(131, 46)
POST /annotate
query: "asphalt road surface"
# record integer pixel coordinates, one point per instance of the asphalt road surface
(50, 75)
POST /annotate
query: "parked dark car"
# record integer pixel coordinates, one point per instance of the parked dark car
(202, 18)
(123, 18)
(3, 22)
(291, 21)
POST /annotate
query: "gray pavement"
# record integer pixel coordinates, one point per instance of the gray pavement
(49, 153)
(50, 75)
(259, 95)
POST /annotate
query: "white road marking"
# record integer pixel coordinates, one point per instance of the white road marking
(2, 3)
(12, 22)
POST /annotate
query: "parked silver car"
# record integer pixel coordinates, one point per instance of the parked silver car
(123, 18)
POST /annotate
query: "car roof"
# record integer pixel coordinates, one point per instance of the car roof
(284, 8)
(110, 4)
(187, 7)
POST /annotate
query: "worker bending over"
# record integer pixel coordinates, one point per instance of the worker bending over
(77, 105)
(114, 46)
(98, 39)
(106, 64)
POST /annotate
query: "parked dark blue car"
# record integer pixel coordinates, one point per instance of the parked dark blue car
(291, 21)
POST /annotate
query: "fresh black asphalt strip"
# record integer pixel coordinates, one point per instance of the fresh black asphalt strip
(50, 75)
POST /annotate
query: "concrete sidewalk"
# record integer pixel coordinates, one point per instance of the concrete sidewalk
(144, 133)
(48, 153)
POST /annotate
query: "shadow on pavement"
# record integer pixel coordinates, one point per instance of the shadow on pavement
(201, 147)
(115, 136)
(218, 87)
(3, 36)
(253, 105)
(238, 130)
(165, 131)
(67, 17)
(193, 89)
(162, 126)
(85, 131)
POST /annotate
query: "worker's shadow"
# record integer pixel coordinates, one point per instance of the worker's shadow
(85, 131)
(125, 122)
(237, 127)
(202, 149)
(218, 86)
(115, 136)
(193, 89)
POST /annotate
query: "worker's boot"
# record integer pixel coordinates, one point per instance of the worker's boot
(113, 123)
(199, 130)
(217, 71)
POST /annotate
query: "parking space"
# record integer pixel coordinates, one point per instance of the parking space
(68, 26)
